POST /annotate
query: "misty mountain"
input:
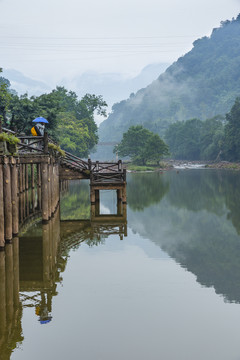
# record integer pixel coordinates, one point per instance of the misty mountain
(201, 84)
(23, 84)
(113, 86)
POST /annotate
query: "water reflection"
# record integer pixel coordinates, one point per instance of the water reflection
(30, 269)
(197, 224)
(10, 306)
(144, 190)
(194, 218)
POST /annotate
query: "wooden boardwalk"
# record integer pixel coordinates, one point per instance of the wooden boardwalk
(34, 165)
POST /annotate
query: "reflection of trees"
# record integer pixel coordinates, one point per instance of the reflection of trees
(232, 198)
(76, 203)
(209, 190)
(213, 258)
(193, 225)
(144, 190)
(197, 190)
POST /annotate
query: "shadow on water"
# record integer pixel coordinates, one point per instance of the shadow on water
(197, 224)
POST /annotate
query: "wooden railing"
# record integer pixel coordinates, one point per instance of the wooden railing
(106, 167)
(75, 162)
(99, 172)
(108, 177)
(29, 144)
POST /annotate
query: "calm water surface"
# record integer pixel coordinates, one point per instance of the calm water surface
(162, 284)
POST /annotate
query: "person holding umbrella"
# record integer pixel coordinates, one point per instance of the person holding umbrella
(38, 129)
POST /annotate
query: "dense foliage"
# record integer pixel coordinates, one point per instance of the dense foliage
(213, 139)
(201, 84)
(195, 139)
(71, 121)
(141, 145)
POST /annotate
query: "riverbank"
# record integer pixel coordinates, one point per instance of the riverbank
(163, 166)
(181, 165)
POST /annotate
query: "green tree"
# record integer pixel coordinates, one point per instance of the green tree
(141, 145)
(4, 97)
(155, 148)
(232, 133)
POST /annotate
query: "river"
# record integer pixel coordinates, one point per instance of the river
(162, 283)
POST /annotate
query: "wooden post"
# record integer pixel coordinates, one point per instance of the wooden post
(45, 142)
(39, 202)
(32, 189)
(97, 208)
(9, 281)
(124, 194)
(7, 201)
(119, 195)
(93, 210)
(2, 295)
(119, 208)
(92, 195)
(24, 190)
(45, 239)
(21, 194)
(16, 270)
(15, 200)
(2, 234)
(44, 192)
(49, 192)
(51, 177)
(97, 195)
(27, 193)
(119, 165)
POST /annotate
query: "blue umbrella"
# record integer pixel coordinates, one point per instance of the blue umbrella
(40, 120)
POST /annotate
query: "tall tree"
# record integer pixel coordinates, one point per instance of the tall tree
(232, 132)
(141, 145)
(4, 97)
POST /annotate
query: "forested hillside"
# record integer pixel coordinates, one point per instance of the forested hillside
(202, 84)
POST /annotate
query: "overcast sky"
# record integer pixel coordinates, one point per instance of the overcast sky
(52, 39)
